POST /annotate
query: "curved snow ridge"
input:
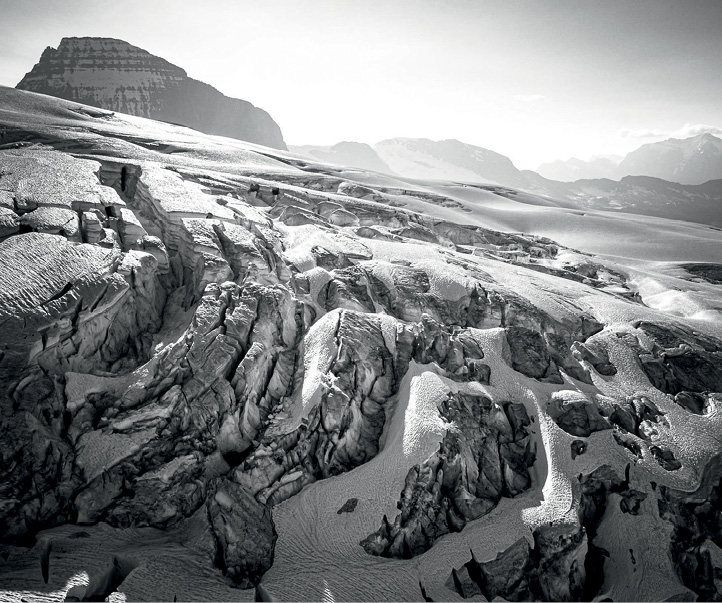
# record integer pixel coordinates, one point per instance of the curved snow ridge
(310, 528)
(556, 503)
(664, 296)
(319, 351)
(422, 420)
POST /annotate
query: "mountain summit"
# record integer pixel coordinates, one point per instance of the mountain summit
(114, 75)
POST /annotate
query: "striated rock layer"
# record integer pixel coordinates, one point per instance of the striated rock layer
(226, 375)
(114, 75)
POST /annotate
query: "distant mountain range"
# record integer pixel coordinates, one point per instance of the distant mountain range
(356, 154)
(421, 158)
(644, 195)
(578, 169)
(114, 75)
(452, 160)
(694, 160)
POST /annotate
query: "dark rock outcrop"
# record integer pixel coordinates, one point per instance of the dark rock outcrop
(244, 531)
(697, 529)
(681, 361)
(576, 414)
(637, 415)
(712, 273)
(577, 447)
(541, 356)
(552, 571)
(563, 565)
(349, 506)
(487, 457)
(698, 404)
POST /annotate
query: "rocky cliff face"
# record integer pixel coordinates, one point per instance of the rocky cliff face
(229, 378)
(114, 75)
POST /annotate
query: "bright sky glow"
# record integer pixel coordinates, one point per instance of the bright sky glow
(534, 80)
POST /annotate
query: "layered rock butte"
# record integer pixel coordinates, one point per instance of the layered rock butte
(114, 75)
(227, 373)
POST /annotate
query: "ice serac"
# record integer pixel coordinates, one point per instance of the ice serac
(114, 75)
(486, 458)
(229, 375)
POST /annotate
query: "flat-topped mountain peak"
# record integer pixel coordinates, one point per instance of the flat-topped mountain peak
(115, 75)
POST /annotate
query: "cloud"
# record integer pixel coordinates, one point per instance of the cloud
(692, 130)
(642, 133)
(685, 131)
(528, 98)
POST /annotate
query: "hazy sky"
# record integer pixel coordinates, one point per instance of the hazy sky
(535, 80)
